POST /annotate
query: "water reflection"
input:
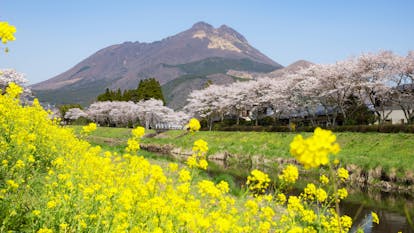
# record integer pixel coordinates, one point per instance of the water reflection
(389, 221)
(366, 224)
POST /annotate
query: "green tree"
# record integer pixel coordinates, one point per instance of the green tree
(118, 95)
(127, 95)
(149, 88)
(105, 96)
(357, 113)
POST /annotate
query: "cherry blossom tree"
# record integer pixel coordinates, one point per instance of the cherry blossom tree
(209, 103)
(334, 84)
(258, 97)
(372, 79)
(10, 75)
(304, 95)
(74, 114)
(150, 113)
(279, 97)
(113, 113)
(237, 94)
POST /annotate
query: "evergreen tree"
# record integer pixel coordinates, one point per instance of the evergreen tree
(118, 95)
(149, 88)
(105, 96)
(127, 95)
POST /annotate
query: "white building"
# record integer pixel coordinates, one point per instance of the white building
(394, 115)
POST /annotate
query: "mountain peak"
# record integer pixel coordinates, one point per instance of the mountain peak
(299, 64)
(202, 26)
(225, 27)
(223, 38)
(293, 68)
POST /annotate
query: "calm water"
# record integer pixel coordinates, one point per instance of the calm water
(390, 211)
(389, 221)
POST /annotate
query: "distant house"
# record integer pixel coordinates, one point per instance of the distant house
(394, 115)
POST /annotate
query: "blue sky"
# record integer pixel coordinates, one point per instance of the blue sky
(53, 36)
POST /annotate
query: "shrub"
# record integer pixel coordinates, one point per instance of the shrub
(342, 128)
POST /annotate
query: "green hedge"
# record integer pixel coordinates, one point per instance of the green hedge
(346, 128)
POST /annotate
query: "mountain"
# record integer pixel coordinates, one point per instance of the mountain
(293, 68)
(201, 51)
(290, 69)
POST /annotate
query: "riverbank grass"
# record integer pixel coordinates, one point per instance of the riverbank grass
(392, 152)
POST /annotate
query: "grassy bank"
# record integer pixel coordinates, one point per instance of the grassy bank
(367, 150)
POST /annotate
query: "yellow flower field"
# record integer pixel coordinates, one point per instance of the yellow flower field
(52, 181)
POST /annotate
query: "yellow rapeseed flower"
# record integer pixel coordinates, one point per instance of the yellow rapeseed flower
(138, 132)
(342, 193)
(324, 179)
(375, 218)
(203, 164)
(173, 167)
(314, 151)
(342, 174)
(309, 192)
(184, 175)
(193, 125)
(36, 212)
(63, 226)
(133, 145)
(51, 204)
(45, 230)
(258, 181)
(200, 145)
(7, 32)
(321, 195)
(290, 174)
(192, 161)
(198, 159)
(19, 164)
(12, 184)
(295, 229)
(89, 128)
(281, 198)
(223, 186)
(346, 222)
(5, 162)
(14, 90)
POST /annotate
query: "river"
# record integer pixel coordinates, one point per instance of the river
(392, 210)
